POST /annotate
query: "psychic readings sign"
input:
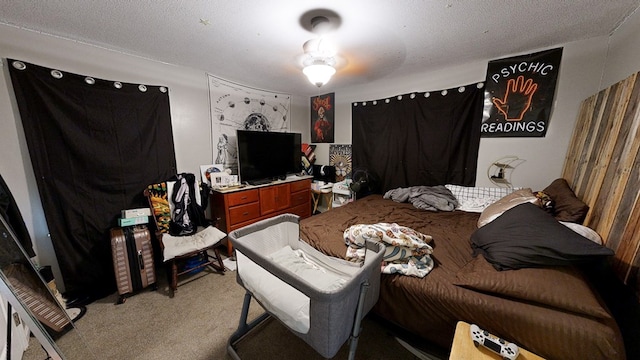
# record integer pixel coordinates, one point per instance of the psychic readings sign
(519, 94)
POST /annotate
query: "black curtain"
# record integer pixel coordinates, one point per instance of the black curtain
(94, 146)
(12, 215)
(419, 138)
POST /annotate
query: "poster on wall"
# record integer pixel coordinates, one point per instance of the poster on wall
(519, 94)
(340, 158)
(237, 107)
(322, 118)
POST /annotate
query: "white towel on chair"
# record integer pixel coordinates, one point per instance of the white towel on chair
(180, 245)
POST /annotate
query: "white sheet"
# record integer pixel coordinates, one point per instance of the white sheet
(476, 199)
(279, 298)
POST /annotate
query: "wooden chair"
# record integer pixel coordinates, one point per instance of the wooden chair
(177, 250)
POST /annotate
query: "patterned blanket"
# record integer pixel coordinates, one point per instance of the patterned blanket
(407, 251)
(160, 204)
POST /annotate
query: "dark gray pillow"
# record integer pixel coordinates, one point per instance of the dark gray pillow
(526, 236)
(566, 205)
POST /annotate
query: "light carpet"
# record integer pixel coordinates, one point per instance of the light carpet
(196, 325)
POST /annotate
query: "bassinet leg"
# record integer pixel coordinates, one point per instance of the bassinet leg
(243, 327)
(357, 321)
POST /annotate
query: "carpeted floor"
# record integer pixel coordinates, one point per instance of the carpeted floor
(196, 325)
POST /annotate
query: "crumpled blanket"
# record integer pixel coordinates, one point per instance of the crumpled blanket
(432, 198)
(407, 251)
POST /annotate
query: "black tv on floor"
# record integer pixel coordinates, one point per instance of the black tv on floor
(265, 156)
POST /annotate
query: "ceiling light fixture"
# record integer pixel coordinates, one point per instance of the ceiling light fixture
(320, 61)
(319, 72)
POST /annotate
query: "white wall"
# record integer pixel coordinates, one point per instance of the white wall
(624, 52)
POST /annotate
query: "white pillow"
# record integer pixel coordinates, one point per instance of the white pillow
(505, 203)
(584, 231)
(476, 199)
(180, 245)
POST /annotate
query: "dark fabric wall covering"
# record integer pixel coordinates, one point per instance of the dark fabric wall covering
(94, 148)
(12, 215)
(419, 140)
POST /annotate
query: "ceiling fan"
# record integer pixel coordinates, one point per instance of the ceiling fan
(320, 54)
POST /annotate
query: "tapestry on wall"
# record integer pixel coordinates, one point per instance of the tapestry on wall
(340, 158)
(237, 107)
(519, 94)
(322, 118)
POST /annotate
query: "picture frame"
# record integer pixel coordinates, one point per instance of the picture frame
(207, 170)
(218, 179)
(230, 180)
(222, 180)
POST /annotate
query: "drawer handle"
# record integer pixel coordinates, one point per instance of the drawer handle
(243, 198)
(245, 213)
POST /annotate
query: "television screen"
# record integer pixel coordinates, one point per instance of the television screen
(266, 156)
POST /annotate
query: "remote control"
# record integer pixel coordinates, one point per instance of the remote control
(507, 350)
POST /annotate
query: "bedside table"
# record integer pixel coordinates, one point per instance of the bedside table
(342, 193)
(463, 348)
(319, 197)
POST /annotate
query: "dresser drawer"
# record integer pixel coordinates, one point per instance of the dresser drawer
(300, 197)
(238, 214)
(242, 197)
(300, 185)
(304, 211)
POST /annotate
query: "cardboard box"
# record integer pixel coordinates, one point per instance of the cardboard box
(138, 220)
(131, 213)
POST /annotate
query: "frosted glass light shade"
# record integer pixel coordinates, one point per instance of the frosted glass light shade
(319, 74)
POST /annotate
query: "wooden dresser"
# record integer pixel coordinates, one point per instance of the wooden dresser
(233, 209)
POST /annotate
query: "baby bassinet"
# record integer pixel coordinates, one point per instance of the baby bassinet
(320, 299)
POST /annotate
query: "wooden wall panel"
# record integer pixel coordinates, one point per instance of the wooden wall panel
(603, 168)
(574, 160)
(619, 157)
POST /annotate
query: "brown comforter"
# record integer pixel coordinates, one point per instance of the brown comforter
(552, 312)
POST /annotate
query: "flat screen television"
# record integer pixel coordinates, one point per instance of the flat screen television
(264, 156)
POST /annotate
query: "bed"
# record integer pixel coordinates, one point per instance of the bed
(551, 310)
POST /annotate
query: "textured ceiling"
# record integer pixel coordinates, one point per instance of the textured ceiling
(259, 43)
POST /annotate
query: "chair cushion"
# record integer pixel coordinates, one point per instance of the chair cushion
(181, 245)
